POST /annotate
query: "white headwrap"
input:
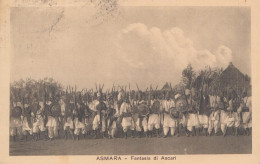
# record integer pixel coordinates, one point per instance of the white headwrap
(19, 104)
(187, 92)
(177, 96)
(119, 96)
(48, 102)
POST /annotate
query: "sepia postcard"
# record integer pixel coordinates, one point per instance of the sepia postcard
(90, 81)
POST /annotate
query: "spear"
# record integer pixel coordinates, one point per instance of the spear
(16, 97)
(120, 88)
(185, 96)
(82, 91)
(102, 87)
(113, 88)
(191, 94)
(137, 87)
(11, 98)
(66, 91)
(75, 98)
(69, 89)
(38, 94)
(86, 92)
(23, 102)
(44, 97)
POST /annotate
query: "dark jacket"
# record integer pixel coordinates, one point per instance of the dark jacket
(204, 105)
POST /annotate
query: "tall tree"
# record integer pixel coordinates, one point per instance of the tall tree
(188, 76)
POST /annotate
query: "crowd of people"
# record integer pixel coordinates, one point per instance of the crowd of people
(128, 113)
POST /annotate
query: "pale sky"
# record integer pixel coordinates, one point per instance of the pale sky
(144, 45)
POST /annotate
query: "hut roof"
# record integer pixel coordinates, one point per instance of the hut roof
(231, 78)
(166, 87)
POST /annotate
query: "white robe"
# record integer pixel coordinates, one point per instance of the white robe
(126, 121)
(168, 121)
(246, 116)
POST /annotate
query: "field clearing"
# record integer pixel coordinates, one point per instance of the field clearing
(136, 146)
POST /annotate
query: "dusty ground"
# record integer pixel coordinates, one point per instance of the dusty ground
(137, 146)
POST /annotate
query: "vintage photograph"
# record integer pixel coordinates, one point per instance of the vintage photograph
(104, 79)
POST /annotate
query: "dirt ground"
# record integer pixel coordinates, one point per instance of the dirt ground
(136, 146)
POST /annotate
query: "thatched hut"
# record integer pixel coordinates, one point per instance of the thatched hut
(231, 79)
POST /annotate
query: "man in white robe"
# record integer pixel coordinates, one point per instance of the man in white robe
(214, 117)
(204, 111)
(245, 110)
(38, 124)
(26, 121)
(15, 123)
(192, 118)
(112, 119)
(168, 122)
(52, 124)
(68, 120)
(233, 119)
(99, 121)
(154, 116)
(126, 114)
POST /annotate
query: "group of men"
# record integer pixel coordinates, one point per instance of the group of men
(105, 115)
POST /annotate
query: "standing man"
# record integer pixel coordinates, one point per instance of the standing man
(78, 120)
(88, 119)
(141, 121)
(38, 124)
(246, 111)
(68, 120)
(204, 110)
(222, 105)
(16, 122)
(112, 116)
(214, 116)
(26, 121)
(101, 108)
(96, 114)
(126, 114)
(193, 119)
(182, 105)
(233, 119)
(154, 116)
(53, 120)
(178, 113)
(168, 122)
